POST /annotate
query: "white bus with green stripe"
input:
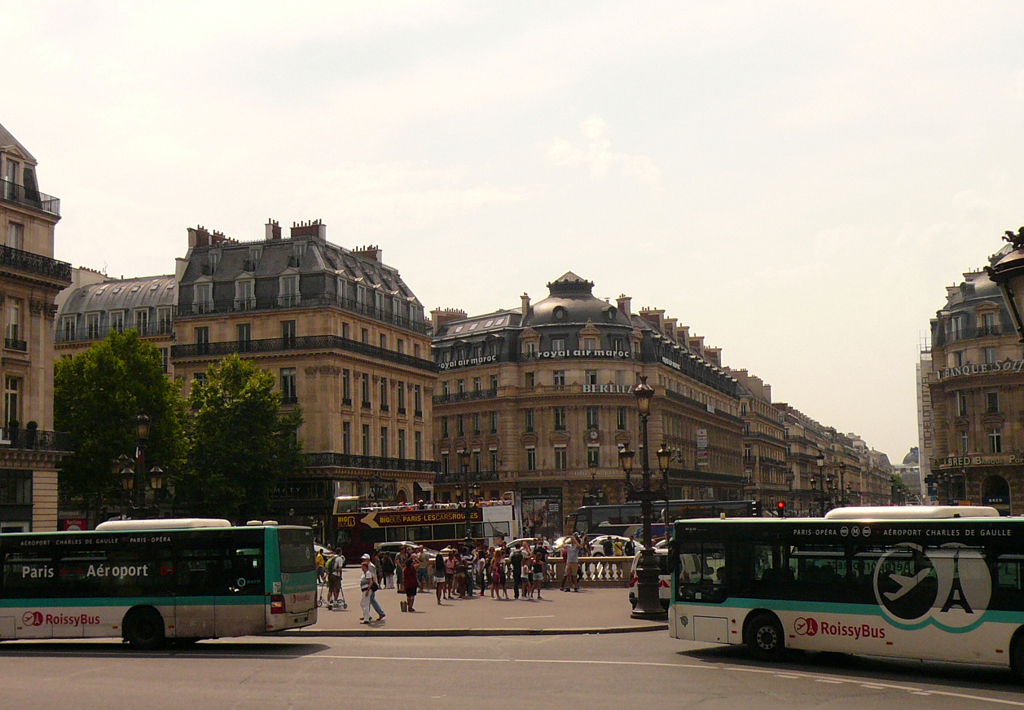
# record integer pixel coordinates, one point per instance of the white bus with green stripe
(930, 583)
(152, 581)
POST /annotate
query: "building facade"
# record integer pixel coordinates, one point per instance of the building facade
(30, 279)
(976, 383)
(535, 402)
(345, 338)
(96, 305)
(767, 474)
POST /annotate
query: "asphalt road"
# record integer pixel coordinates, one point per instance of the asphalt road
(641, 670)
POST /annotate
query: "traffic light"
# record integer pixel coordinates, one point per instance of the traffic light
(782, 508)
(755, 508)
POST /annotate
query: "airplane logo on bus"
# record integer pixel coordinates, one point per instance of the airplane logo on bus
(950, 586)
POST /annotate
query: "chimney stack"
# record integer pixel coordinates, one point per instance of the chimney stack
(273, 230)
(315, 229)
(525, 298)
(623, 302)
(439, 317)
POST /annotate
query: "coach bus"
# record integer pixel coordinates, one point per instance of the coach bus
(358, 528)
(943, 583)
(149, 581)
(624, 518)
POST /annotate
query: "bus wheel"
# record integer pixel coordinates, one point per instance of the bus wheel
(1017, 656)
(764, 637)
(143, 628)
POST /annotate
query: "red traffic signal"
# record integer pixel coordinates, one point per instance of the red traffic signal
(782, 508)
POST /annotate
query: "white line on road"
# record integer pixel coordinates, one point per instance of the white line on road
(652, 664)
(546, 616)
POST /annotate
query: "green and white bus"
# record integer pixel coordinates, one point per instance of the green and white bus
(931, 583)
(149, 581)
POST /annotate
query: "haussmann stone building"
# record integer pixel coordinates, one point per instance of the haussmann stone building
(539, 399)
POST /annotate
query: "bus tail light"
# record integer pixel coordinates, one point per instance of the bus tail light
(277, 604)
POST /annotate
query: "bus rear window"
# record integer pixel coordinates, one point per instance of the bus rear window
(296, 550)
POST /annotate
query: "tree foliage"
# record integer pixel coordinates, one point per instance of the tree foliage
(240, 444)
(97, 395)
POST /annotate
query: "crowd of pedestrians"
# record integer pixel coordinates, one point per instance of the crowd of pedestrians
(456, 573)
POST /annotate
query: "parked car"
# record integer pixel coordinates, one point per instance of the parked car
(664, 578)
(533, 542)
(396, 546)
(597, 544)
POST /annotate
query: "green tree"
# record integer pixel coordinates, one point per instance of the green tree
(97, 395)
(240, 444)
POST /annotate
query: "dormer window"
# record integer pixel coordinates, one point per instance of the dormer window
(288, 294)
(299, 250)
(255, 252)
(245, 294)
(202, 298)
(214, 260)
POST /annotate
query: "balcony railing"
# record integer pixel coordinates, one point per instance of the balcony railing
(35, 263)
(15, 344)
(94, 332)
(465, 396)
(376, 463)
(474, 477)
(307, 342)
(298, 301)
(13, 192)
(35, 439)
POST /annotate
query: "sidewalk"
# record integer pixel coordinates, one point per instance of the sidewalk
(589, 611)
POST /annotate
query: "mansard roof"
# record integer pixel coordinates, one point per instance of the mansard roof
(8, 140)
(124, 294)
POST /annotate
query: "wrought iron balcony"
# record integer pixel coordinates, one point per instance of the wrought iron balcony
(13, 192)
(35, 439)
(376, 463)
(307, 342)
(299, 301)
(35, 264)
(71, 334)
(460, 478)
(15, 344)
(465, 396)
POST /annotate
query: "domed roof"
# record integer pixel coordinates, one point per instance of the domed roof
(913, 457)
(571, 300)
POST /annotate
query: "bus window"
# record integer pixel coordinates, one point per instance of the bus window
(1008, 572)
(342, 538)
(702, 572)
(444, 532)
(28, 575)
(396, 534)
(419, 532)
(817, 564)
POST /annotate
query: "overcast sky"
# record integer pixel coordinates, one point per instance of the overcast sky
(796, 181)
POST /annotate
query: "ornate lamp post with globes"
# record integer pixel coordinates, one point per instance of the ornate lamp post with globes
(648, 604)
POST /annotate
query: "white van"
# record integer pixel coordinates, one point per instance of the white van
(664, 578)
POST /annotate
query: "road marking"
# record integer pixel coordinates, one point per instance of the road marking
(546, 616)
(653, 664)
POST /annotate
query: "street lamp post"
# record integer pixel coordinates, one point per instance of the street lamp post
(464, 465)
(821, 481)
(648, 605)
(141, 437)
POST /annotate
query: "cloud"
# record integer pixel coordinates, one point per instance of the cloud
(599, 157)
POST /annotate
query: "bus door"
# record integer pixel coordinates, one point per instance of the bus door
(240, 602)
(702, 579)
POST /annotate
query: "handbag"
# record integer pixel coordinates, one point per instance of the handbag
(374, 587)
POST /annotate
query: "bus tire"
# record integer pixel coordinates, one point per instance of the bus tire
(764, 637)
(143, 628)
(1017, 656)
